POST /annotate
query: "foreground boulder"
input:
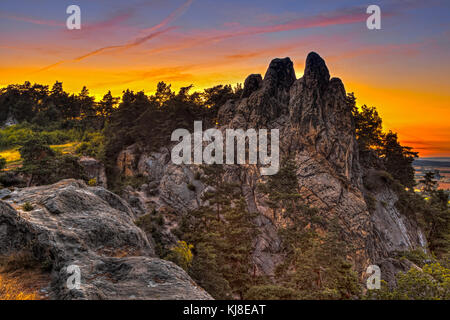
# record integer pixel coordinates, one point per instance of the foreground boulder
(69, 226)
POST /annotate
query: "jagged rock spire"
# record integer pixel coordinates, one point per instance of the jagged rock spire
(316, 71)
(251, 84)
(280, 73)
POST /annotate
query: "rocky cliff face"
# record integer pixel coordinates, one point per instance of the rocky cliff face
(94, 169)
(317, 131)
(68, 224)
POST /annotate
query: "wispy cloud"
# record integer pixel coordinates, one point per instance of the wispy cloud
(429, 146)
(164, 73)
(112, 22)
(339, 17)
(170, 18)
(150, 33)
(52, 23)
(404, 49)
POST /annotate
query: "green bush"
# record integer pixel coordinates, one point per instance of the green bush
(2, 163)
(430, 283)
(92, 145)
(417, 256)
(45, 166)
(271, 292)
(16, 135)
(151, 224)
(181, 254)
(9, 178)
(27, 206)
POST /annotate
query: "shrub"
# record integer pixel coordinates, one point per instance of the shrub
(45, 166)
(92, 146)
(2, 163)
(181, 254)
(430, 283)
(92, 182)
(417, 256)
(22, 259)
(16, 135)
(9, 178)
(27, 206)
(120, 182)
(152, 223)
(271, 292)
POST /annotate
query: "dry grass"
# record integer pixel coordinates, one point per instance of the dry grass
(19, 260)
(21, 277)
(65, 148)
(11, 289)
(13, 160)
(12, 157)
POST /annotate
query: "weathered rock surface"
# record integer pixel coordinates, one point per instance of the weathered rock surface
(92, 228)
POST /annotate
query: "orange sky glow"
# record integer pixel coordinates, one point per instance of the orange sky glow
(404, 77)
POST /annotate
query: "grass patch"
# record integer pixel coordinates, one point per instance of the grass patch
(12, 157)
(68, 148)
(22, 276)
(13, 289)
(13, 160)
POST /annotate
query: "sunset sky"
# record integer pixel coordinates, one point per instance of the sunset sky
(402, 69)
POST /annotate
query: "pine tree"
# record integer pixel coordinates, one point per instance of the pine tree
(222, 251)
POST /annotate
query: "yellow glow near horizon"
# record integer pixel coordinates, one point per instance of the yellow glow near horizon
(418, 112)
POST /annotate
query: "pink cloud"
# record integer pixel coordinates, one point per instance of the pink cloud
(409, 49)
(51, 23)
(150, 33)
(341, 17)
(112, 22)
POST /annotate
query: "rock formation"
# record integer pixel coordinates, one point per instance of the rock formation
(72, 224)
(68, 224)
(317, 131)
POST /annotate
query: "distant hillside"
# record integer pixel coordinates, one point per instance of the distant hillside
(435, 162)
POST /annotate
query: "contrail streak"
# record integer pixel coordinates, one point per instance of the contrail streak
(174, 15)
(138, 41)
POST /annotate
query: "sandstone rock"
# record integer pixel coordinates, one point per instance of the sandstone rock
(4, 193)
(317, 130)
(251, 84)
(94, 169)
(10, 121)
(127, 161)
(72, 224)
